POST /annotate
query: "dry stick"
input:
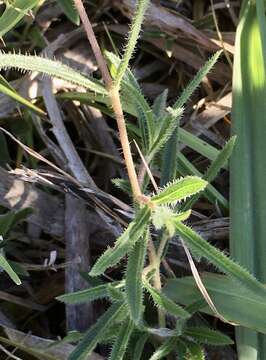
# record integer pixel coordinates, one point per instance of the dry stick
(115, 102)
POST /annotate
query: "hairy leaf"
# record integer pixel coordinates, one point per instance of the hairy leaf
(123, 244)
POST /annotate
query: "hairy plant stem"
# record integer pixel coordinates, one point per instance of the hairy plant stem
(113, 89)
(115, 101)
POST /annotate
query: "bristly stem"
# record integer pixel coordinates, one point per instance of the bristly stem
(94, 44)
(114, 97)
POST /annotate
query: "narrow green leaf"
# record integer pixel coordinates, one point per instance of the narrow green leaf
(49, 67)
(123, 244)
(185, 167)
(188, 91)
(122, 340)
(139, 346)
(208, 336)
(141, 7)
(163, 302)
(70, 10)
(221, 160)
(202, 248)
(8, 269)
(87, 295)
(179, 190)
(6, 89)
(159, 105)
(165, 349)
(134, 293)
(215, 167)
(95, 334)
(14, 13)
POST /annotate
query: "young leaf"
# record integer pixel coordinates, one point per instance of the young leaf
(202, 248)
(166, 348)
(134, 295)
(163, 302)
(122, 339)
(8, 269)
(49, 67)
(205, 335)
(123, 244)
(159, 105)
(179, 190)
(95, 333)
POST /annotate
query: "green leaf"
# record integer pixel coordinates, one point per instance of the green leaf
(191, 87)
(51, 68)
(179, 190)
(70, 10)
(95, 334)
(8, 269)
(165, 349)
(14, 13)
(134, 293)
(159, 105)
(233, 301)
(122, 340)
(201, 247)
(220, 161)
(208, 336)
(123, 244)
(139, 346)
(87, 295)
(163, 302)
(6, 89)
(215, 167)
(248, 170)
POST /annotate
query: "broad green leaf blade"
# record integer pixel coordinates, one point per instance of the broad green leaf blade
(248, 170)
(233, 302)
(49, 67)
(123, 244)
(204, 335)
(94, 335)
(87, 295)
(169, 158)
(165, 349)
(122, 340)
(70, 10)
(6, 89)
(134, 293)
(179, 190)
(8, 269)
(163, 302)
(14, 13)
(201, 247)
